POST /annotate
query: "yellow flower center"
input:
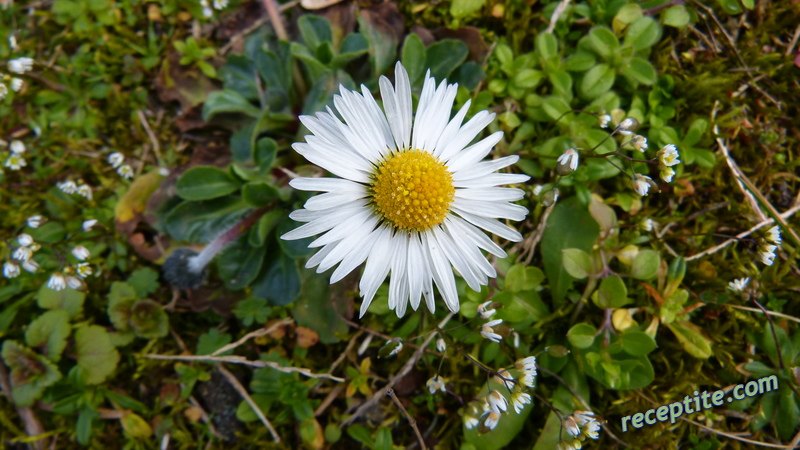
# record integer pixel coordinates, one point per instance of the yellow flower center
(413, 190)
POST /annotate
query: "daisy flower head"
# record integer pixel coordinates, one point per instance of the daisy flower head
(17, 147)
(639, 142)
(16, 84)
(116, 159)
(666, 173)
(10, 270)
(628, 126)
(487, 331)
(125, 171)
(519, 400)
(410, 195)
(605, 119)
(436, 384)
(35, 221)
(641, 184)
(57, 282)
(20, 65)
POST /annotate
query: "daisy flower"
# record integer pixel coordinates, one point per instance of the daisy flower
(410, 196)
(15, 162)
(20, 65)
(17, 147)
(567, 162)
(774, 235)
(436, 384)
(519, 400)
(738, 285)
(668, 156)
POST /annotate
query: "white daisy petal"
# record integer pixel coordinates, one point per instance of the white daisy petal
(493, 179)
(491, 194)
(359, 253)
(415, 274)
(377, 267)
(333, 200)
(441, 272)
(474, 153)
(398, 282)
(484, 168)
(325, 185)
(346, 245)
(466, 134)
(330, 163)
(490, 225)
(475, 235)
(451, 129)
(493, 210)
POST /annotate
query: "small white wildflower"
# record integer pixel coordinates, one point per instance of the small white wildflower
(583, 417)
(436, 384)
(35, 221)
(74, 282)
(441, 345)
(23, 254)
(487, 331)
(83, 270)
(491, 420)
(88, 224)
(220, 4)
(470, 421)
(572, 428)
(80, 252)
(767, 253)
(605, 119)
(3, 91)
(116, 159)
(497, 402)
(592, 429)
(639, 142)
(85, 190)
(17, 146)
(516, 339)
(628, 126)
(163, 171)
(666, 173)
(774, 235)
(125, 171)
(567, 162)
(15, 162)
(20, 65)
(537, 190)
(10, 270)
(668, 155)
(16, 84)
(68, 187)
(527, 364)
(12, 42)
(57, 282)
(486, 313)
(504, 377)
(528, 379)
(641, 184)
(207, 11)
(738, 285)
(519, 400)
(646, 224)
(30, 265)
(396, 349)
(25, 240)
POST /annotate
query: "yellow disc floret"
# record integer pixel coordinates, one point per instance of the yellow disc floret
(413, 190)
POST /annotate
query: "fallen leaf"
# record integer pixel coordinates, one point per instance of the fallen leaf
(306, 337)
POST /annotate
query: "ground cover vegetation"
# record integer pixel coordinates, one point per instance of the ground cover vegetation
(160, 289)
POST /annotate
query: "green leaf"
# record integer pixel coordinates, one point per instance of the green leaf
(315, 30)
(597, 80)
(259, 194)
(643, 34)
(96, 356)
(278, 282)
(645, 264)
(228, 102)
(505, 56)
(49, 331)
(569, 226)
(239, 263)
(320, 316)
(205, 182)
(637, 343)
(468, 75)
(604, 215)
(69, 300)
(148, 319)
(523, 278)
(555, 107)
(507, 429)
(612, 293)
(252, 310)
(642, 71)
(546, 45)
(30, 374)
(695, 132)
(239, 75)
(625, 16)
(202, 221)
(577, 262)
(258, 234)
(144, 281)
(603, 41)
(580, 61)
(382, 45)
(413, 58)
(444, 56)
(562, 83)
(211, 341)
(692, 339)
(361, 434)
(463, 8)
(83, 427)
(788, 413)
(49, 233)
(731, 6)
(528, 78)
(581, 335)
(676, 16)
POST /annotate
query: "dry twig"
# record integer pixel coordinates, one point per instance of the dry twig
(242, 360)
(243, 392)
(411, 420)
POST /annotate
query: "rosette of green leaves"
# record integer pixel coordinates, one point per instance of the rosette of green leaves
(132, 313)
